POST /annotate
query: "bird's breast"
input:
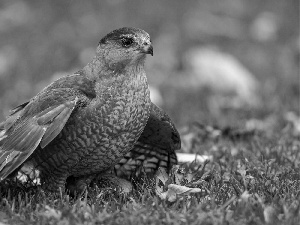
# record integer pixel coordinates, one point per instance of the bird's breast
(115, 123)
(97, 135)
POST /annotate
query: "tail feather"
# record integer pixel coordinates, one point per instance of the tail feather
(146, 158)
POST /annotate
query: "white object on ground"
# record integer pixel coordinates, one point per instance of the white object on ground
(174, 191)
(190, 157)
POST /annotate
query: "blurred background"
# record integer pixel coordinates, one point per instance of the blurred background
(220, 62)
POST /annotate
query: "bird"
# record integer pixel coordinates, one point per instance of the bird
(83, 124)
(156, 148)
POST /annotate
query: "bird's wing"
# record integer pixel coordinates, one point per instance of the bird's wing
(37, 122)
(155, 148)
(160, 130)
(13, 116)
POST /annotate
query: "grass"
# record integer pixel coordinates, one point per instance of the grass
(252, 179)
(254, 175)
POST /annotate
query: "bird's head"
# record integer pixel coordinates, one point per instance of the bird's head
(125, 46)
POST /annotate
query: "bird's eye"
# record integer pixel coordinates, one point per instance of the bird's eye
(126, 42)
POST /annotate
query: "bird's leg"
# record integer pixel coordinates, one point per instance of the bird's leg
(78, 185)
(108, 179)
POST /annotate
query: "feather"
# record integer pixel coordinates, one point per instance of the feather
(24, 135)
(59, 122)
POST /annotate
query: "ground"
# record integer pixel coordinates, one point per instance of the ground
(253, 176)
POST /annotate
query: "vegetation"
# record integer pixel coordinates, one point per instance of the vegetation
(253, 176)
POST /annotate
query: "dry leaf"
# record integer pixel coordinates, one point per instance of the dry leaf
(174, 191)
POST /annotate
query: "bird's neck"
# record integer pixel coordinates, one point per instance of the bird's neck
(99, 69)
(115, 76)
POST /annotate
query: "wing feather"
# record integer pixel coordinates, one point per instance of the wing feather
(48, 114)
(155, 147)
(12, 159)
(24, 133)
(58, 124)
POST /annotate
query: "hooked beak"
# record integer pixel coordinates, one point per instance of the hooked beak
(147, 49)
(150, 50)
